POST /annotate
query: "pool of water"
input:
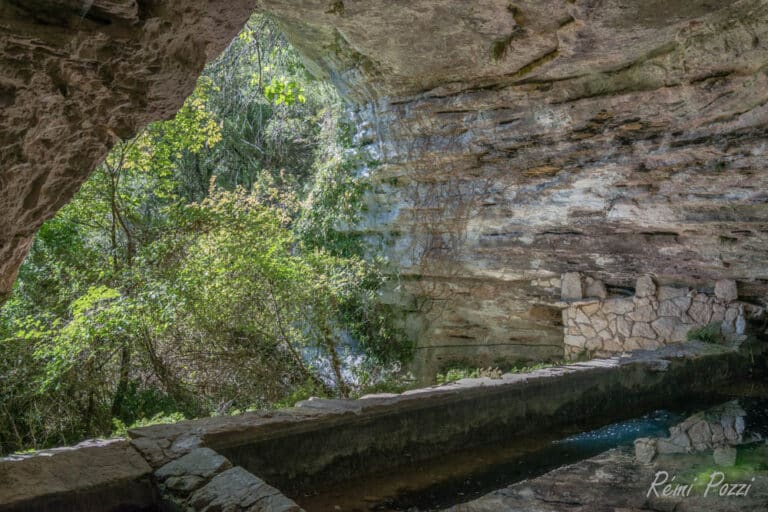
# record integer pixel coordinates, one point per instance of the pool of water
(459, 477)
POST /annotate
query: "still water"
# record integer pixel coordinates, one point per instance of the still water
(460, 477)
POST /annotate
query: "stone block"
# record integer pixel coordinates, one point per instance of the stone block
(599, 322)
(725, 456)
(669, 292)
(648, 344)
(202, 462)
(718, 434)
(235, 489)
(93, 475)
(618, 306)
(643, 330)
(590, 309)
(645, 449)
(664, 327)
(682, 303)
(645, 287)
(582, 318)
(587, 331)
(595, 288)
(700, 312)
(725, 290)
(643, 313)
(669, 308)
(594, 343)
(729, 320)
(571, 286)
(575, 341)
(624, 327)
(741, 322)
(700, 435)
(192, 470)
(666, 446)
(718, 313)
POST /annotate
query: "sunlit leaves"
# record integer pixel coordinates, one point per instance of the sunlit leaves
(284, 92)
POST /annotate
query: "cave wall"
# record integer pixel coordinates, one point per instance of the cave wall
(76, 76)
(510, 142)
(513, 142)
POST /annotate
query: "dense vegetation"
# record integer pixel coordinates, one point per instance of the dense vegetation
(204, 268)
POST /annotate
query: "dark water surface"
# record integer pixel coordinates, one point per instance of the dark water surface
(461, 477)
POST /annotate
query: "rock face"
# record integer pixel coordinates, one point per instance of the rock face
(74, 77)
(511, 142)
(517, 142)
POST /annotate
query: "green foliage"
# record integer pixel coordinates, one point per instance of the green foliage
(710, 333)
(120, 429)
(207, 267)
(460, 371)
(282, 91)
(452, 374)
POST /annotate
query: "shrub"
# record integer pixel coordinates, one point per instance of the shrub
(710, 333)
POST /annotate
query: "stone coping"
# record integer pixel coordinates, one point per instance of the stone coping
(323, 439)
(109, 473)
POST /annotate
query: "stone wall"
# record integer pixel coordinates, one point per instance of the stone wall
(320, 442)
(654, 316)
(210, 464)
(98, 476)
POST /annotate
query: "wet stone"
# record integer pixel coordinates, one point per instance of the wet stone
(596, 288)
(725, 456)
(645, 449)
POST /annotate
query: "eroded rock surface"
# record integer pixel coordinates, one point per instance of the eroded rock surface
(77, 76)
(519, 141)
(511, 142)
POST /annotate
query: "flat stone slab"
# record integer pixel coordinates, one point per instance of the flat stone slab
(189, 472)
(238, 490)
(615, 481)
(101, 474)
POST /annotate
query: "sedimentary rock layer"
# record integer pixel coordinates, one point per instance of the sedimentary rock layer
(510, 141)
(513, 142)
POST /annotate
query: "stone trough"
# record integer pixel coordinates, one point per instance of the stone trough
(208, 463)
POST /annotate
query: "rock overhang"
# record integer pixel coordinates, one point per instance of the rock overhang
(516, 140)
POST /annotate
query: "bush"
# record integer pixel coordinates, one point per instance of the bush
(710, 333)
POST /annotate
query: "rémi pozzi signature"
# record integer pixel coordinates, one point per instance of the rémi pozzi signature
(665, 487)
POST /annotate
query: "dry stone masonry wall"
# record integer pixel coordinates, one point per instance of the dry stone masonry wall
(654, 316)
(210, 464)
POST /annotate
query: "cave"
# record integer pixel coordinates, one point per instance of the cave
(572, 179)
